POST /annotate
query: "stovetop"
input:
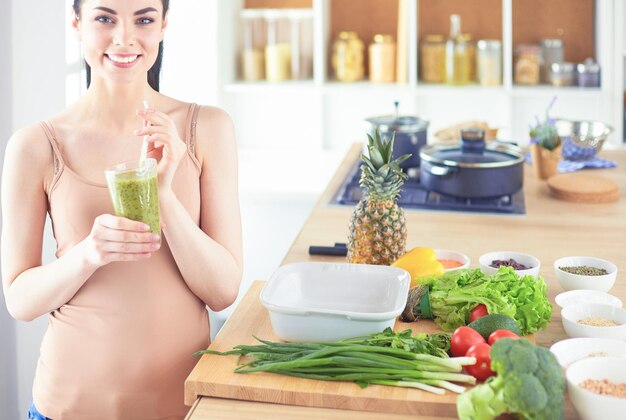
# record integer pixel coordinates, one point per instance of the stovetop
(415, 196)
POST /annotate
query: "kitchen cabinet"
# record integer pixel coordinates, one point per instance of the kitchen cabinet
(322, 113)
(550, 229)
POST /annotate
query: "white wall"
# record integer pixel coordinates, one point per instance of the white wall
(32, 89)
(8, 373)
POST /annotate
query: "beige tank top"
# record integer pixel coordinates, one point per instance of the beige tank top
(122, 347)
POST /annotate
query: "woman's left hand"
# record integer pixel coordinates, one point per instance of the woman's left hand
(164, 143)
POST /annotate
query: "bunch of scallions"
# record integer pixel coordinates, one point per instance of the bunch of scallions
(386, 358)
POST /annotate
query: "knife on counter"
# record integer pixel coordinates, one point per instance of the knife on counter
(340, 249)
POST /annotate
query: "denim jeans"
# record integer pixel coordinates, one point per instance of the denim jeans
(33, 414)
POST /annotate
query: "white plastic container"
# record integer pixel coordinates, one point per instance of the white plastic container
(315, 301)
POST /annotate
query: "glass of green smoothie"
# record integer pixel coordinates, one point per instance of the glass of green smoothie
(133, 189)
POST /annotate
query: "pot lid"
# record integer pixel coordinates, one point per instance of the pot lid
(397, 123)
(472, 153)
(400, 124)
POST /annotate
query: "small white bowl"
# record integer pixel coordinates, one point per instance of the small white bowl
(533, 263)
(592, 406)
(319, 301)
(569, 281)
(586, 296)
(571, 314)
(445, 254)
(574, 349)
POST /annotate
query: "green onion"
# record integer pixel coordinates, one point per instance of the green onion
(387, 358)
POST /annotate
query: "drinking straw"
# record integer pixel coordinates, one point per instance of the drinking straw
(144, 145)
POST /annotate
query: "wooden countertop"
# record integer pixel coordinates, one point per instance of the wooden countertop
(550, 229)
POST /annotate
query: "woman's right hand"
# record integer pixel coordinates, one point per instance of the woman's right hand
(115, 238)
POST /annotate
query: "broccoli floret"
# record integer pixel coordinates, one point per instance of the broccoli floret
(529, 382)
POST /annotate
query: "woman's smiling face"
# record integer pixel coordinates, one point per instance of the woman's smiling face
(120, 38)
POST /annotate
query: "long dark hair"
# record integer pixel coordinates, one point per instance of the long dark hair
(155, 71)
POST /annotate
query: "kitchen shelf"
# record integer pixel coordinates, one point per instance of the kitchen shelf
(336, 110)
(570, 91)
(264, 87)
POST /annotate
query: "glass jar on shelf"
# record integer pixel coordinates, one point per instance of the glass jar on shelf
(252, 58)
(301, 21)
(278, 47)
(348, 57)
(528, 64)
(433, 59)
(382, 59)
(551, 52)
(489, 62)
(588, 73)
(562, 74)
(471, 53)
(457, 55)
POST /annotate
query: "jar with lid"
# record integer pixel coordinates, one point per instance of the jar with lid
(301, 21)
(588, 73)
(253, 44)
(457, 55)
(471, 54)
(382, 59)
(278, 48)
(433, 59)
(347, 57)
(528, 64)
(562, 74)
(551, 52)
(489, 62)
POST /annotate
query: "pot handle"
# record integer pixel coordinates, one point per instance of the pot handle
(440, 170)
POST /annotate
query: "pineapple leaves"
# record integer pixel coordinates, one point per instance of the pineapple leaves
(388, 150)
(381, 174)
(403, 158)
(375, 156)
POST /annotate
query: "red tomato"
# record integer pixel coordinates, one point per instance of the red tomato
(478, 312)
(498, 334)
(462, 339)
(482, 369)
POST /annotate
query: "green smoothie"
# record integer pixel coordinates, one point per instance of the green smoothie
(134, 194)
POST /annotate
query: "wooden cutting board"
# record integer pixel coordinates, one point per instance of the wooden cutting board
(213, 376)
(583, 188)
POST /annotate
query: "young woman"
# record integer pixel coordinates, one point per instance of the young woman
(127, 308)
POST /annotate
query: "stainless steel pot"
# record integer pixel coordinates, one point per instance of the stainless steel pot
(410, 132)
(472, 169)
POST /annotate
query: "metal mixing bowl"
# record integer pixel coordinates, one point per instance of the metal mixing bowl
(584, 133)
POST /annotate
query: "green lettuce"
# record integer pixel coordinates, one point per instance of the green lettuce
(454, 295)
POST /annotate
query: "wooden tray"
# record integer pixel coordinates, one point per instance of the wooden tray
(583, 188)
(213, 376)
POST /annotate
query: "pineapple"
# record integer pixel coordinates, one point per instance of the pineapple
(377, 227)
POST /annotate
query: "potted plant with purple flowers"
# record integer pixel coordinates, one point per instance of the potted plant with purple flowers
(545, 146)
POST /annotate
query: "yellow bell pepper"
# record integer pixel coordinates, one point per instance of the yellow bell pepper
(420, 262)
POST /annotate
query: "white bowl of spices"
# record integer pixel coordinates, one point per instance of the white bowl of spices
(522, 264)
(597, 387)
(594, 320)
(589, 273)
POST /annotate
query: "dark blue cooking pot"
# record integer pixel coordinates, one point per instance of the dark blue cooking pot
(472, 169)
(410, 135)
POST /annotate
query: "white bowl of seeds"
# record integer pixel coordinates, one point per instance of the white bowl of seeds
(594, 320)
(590, 273)
(597, 387)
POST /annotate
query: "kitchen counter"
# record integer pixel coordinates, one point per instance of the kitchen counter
(550, 229)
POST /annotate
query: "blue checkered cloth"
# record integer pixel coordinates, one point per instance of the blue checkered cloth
(576, 165)
(573, 151)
